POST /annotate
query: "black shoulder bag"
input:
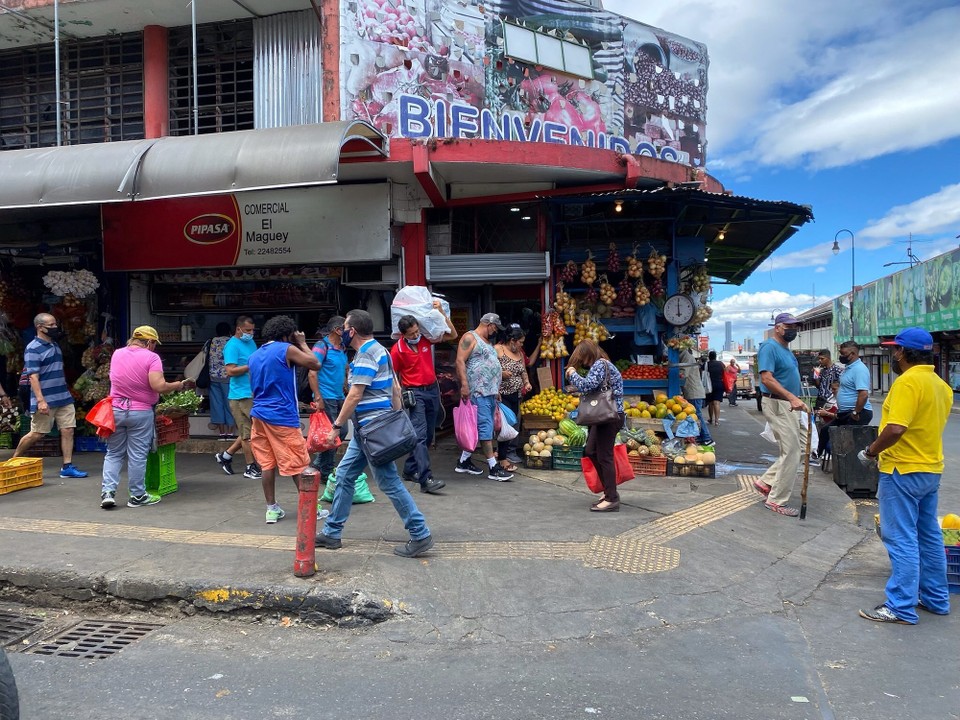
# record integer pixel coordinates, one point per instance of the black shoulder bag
(389, 435)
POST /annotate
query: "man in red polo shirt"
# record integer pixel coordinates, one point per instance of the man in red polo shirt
(412, 358)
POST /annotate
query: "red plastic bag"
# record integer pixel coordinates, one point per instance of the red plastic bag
(729, 380)
(319, 432)
(465, 425)
(621, 463)
(101, 417)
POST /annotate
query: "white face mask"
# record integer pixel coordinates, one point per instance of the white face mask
(415, 339)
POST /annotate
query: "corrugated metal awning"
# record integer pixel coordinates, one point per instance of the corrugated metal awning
(183, 166)
(489, 268)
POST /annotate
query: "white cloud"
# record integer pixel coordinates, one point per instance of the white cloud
(750, 313)
(820, 83)
(937, 213)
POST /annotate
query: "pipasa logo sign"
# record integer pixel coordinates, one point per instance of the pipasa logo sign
(209, 229)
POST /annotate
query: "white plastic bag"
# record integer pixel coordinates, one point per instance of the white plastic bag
(768, 435)
(416, 300)
(507, 431)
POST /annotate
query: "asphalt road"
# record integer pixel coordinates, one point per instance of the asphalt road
(523, 651)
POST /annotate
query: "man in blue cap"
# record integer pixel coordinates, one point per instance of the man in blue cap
(780, 386)
(909, 450)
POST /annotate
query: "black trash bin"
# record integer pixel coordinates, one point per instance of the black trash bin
(848, 472)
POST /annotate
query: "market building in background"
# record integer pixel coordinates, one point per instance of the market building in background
(509, 154)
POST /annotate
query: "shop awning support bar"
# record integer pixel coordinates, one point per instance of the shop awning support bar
(423, 171)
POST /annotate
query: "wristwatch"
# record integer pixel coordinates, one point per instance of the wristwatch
(336, 427)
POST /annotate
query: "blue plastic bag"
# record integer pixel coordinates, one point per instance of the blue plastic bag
(508, 414)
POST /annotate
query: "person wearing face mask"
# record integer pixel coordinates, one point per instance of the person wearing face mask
(853, 400)
(412, 357)
(236, 353)
(136, 381)
(909, 452)
(50, 398)
(327, 384)
(780, 386)
(480, 374)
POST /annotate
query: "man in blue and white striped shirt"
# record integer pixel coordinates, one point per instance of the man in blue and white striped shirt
(372, 392)
(50, 398)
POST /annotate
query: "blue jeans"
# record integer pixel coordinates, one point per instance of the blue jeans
(324, 460)
(424, 419)
(219, 406)
(705, 436)
(911, 534)
(131, 441)
(388, 480)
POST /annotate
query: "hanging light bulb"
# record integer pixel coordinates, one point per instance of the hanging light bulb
(618, 206)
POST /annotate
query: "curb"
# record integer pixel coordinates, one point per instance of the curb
(347, 609)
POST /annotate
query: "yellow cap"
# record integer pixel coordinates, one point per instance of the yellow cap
(145, 332)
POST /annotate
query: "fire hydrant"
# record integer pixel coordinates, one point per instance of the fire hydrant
(305, 564)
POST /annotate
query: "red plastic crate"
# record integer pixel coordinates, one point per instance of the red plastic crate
(648, 465)
(171, 430)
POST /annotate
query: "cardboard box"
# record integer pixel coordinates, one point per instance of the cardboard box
(545, 377)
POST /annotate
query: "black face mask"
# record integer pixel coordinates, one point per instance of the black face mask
(789, 334)
(846, 359)
(54, 333)
(895, 365)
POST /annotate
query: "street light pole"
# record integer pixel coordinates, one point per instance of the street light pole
(853, 275)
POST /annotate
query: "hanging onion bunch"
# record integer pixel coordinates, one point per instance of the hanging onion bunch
(634, 266)
(613, 259)
(656, 264)
(608, 293)
(588, 273)
(569, 272)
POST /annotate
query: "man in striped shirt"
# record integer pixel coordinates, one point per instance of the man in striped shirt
(50, 398)
(372, 392)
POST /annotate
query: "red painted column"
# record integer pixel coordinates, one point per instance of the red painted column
(330, 70)
(414, 240)
(156, 84)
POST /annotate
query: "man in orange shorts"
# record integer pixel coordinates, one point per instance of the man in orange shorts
(275, 438)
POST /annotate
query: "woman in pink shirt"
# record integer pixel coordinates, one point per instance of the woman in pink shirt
(136, 381)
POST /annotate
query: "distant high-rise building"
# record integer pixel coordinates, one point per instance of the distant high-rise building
(748, 345)
(727, 334)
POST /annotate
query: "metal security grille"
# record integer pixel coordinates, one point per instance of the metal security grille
(224, 77)
(93, 639)
(13, 626)
(101, 92)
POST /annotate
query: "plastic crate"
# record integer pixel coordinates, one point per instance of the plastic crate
(567, 458)
(20, 473)
(171, 430)
(953, 568)
(89, 443)
(6, 440)
(48, 446)
(647, 465)
(535, 462)
(693, 470)
(161, 470)
(538, 422)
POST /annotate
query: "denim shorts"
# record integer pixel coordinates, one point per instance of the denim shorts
(486, 404)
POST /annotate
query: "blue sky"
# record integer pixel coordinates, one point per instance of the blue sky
(850, 108)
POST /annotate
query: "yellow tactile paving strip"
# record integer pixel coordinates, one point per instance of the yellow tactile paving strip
(637, 551)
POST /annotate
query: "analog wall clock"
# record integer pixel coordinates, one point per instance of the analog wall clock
(678, 310)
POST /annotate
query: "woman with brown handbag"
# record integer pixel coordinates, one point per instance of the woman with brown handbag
(601, 374)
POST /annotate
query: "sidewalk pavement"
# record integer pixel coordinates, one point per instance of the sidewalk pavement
(699, 546)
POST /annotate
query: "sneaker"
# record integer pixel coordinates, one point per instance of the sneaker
(782, 509)
(467, 466)
(432, 485)
(72, 471)
(881, 613)
(274, 514)
(108, 500)
(761, 488)
(326, 542)
(498, 473)
(223, 437)
(141, 500)
(252, 472)
(414, 548)
(322, 512)
(225, 464)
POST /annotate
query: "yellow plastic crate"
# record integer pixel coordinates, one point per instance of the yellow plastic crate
(20, 473)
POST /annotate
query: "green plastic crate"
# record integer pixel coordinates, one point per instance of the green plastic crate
(567, 458)
(161, 470)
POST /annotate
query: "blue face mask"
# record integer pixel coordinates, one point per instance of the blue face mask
(246, 337)
(414, 340)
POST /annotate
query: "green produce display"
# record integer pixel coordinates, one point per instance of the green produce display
(575, 434)
(179, 403)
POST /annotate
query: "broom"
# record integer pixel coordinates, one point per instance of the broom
(806, 470)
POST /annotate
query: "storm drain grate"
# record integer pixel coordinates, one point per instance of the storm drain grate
(13, 626)
(93, 639)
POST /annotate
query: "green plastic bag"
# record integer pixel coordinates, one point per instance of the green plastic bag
(361, 491)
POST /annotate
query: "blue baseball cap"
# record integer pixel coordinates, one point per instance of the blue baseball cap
(912, 338)
(785, 319)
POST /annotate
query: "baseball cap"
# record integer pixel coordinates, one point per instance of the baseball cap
(492, 319)
(145, 332)
(786, 319)
(912, 338)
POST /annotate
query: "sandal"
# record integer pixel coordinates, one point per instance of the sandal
(509, 467)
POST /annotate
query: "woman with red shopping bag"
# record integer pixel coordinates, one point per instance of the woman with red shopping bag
(601, 375)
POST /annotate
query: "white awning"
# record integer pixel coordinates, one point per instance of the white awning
(298, 155)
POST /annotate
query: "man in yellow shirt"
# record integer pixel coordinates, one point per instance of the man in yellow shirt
(909, 450)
